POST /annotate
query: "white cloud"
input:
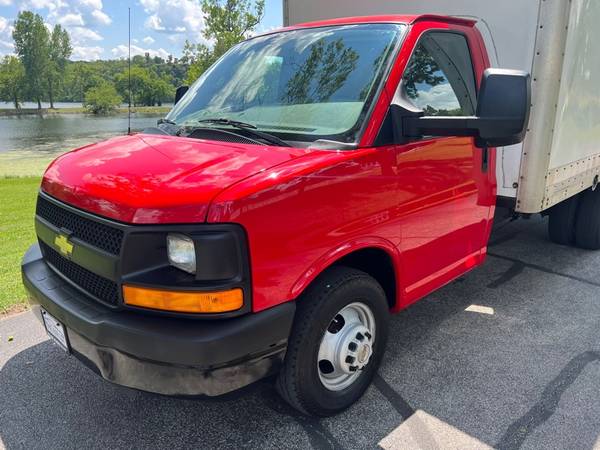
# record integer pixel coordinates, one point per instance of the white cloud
(4, 25)
(5, 2)
(122, 51)
(101, 17)
(93, 4)
(71, 20)
(82, 53)
(181, 17)
(441, 97)
(73, 15)
(50, 5)
(6, 48)
(81, 35)
(6, 44)
(148, 40)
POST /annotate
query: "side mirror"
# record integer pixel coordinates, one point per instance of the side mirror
(180, 92)
(501, 118)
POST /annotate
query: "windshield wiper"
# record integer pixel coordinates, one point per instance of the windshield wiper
(249, 128)
(233, 123)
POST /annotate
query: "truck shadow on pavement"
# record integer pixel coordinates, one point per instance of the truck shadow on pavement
(523, 373)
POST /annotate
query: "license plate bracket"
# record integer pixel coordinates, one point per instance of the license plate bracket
(56, 330)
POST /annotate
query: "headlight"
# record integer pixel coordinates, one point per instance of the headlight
(182, 252)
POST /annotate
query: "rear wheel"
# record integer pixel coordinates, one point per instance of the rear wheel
(587, 230)
(337, 342)
(563, 217)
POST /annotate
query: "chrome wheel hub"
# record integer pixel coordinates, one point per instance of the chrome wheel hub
(346, 347)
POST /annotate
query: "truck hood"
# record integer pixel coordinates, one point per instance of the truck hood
(156, 179)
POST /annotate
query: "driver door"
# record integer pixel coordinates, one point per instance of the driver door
(445, 187)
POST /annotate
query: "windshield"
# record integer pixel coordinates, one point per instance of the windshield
(300, 85)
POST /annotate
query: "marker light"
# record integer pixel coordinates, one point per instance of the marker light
(184, 301)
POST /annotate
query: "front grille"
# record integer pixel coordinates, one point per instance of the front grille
(99, 287)
(94, 233)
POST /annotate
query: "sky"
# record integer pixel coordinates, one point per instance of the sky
(98, 28)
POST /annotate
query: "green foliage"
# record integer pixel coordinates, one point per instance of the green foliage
(59, 51)
(32, 45)
(47, 73)
(80, 77)
(200, 58)
(102, 99)
(12, 80)
(227, 23)
(147, 87)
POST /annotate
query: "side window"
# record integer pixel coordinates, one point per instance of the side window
(439, 78)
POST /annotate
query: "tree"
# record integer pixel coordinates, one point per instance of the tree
(12, 80)
(80, 77)
(59, 52)
(147, 88)
(102, 99)
(200, 58)
(31, 45)
(227, 23)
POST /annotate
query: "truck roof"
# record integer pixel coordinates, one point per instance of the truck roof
(407, 19)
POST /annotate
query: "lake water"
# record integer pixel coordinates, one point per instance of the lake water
(33, 105)
(28, 143)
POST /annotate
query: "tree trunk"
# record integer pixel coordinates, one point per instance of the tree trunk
(39, 103)
(50, 95)
(16, 102)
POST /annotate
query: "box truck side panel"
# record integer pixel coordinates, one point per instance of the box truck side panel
(575, 155)
(509, 29)
(546, 76)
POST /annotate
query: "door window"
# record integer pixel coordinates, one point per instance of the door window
(439, 78)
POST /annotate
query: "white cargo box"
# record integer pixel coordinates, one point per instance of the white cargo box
(558, 42)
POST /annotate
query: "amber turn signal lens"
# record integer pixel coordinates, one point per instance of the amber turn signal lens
(182, 301)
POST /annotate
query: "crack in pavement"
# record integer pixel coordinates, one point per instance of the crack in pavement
(518, 431)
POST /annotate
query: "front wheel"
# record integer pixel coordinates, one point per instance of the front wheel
(337, 342)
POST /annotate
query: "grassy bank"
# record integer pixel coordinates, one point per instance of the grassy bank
(81, 110)
(17, 204)
(23, 164)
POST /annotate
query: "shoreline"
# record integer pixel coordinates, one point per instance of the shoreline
(81, 110)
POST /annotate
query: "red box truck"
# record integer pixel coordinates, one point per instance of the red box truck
(313, 181)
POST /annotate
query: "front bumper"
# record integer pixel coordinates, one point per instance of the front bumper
(166, 355)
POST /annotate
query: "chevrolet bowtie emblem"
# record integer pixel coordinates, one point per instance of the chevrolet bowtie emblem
(63, 244)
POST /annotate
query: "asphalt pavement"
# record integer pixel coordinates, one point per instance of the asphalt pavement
(508, 356)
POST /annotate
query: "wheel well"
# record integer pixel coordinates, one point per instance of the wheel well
(378, 264)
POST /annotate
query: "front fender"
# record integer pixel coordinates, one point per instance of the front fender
(337, 253)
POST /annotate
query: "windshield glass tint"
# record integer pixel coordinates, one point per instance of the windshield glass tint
(305, 84)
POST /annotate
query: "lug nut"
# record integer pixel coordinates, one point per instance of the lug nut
(350, 359)
(352, 346)
(353, 368)
(368, 335)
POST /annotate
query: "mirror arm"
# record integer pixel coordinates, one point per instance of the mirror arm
(441, 126)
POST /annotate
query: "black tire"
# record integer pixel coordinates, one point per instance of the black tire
(562, 222)
(299, 382)
(587, 230)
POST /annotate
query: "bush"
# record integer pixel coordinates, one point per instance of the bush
(102, 99)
